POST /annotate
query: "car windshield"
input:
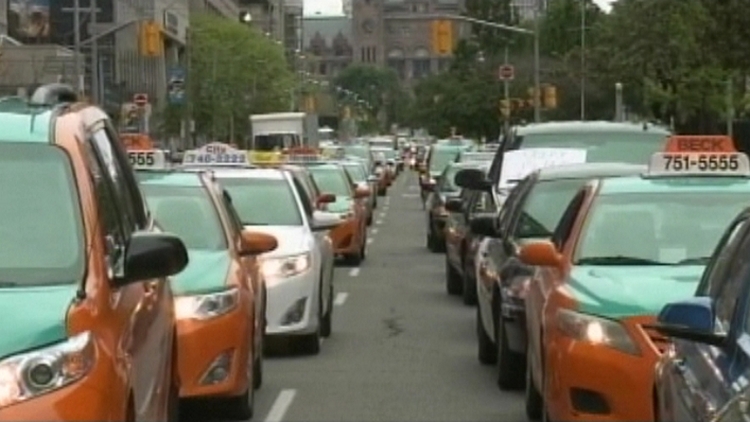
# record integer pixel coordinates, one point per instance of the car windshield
(251, 197)
(358, 151)
(187, 212)
(447, 183)
(356, 172)
(274, 141)
(389, 154)
(40, 220)
(331, 180)
(624, 147)
(544, 207)
(656, 228)
(440, 158)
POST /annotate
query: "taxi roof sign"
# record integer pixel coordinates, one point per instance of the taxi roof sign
(148, 159)
(216, 154)
(676, 164)
(700, 143)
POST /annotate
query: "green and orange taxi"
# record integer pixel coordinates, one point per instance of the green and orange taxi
(623, 248)
(88, 328)
(220, 314)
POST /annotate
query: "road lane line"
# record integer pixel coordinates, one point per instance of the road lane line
(410, 195)
(374, 231)
(354, 272)
(340, 298)
(382, 215)
(369, 241)
(378, 222)
(281, 405)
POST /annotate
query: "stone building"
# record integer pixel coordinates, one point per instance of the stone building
(327, 45)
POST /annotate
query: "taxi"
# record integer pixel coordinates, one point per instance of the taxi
(220, 312)
(350, 237)
(623, 248)
(88, 331)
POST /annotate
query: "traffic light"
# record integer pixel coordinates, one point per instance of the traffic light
(533, 93)
(151, 40)
(517, 104)
(550, 96)
(442, 37)
(505, 108)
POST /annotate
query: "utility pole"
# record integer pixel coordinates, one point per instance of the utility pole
(95, 94)
(730, 107)
(77, 44)
(619, 109)
(537, 77)
(188, 124)
(506, 92)
(583, 60)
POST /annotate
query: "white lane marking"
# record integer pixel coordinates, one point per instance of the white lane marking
(340, 298)
(281, 405)
(378, 222)
(369, 241)
(354, 272)
(410, 195)
(382, 215)
(374, 231)
(412, 187)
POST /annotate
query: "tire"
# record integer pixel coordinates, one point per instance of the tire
(326, 323)
(487, 352)
(510, 365)
(453, 281)
(382, 192)
(240, 408)
(369, 220)
(534, 402)
(363, 249)
(469, 290)
(310, 343)
(258, 363)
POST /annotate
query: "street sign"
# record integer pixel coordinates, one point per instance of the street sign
(506, 72)
(140, 99)
(176, 85)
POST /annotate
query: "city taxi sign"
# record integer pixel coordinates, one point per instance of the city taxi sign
(216, 154)
(700, 143)
(671, 164)
(147, 159)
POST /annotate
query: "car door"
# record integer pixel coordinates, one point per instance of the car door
(144, 309)
(698, 377)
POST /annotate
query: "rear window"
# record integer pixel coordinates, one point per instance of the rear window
(40, 217)
(623, 147)
(251, 199)
(189, 213)
(440, 158)
(356, 172)
(545, 206)
(331, 180)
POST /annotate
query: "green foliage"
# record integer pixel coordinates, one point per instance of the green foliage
(491, 40)
(235, 71)
(561, 26)
(378, 87)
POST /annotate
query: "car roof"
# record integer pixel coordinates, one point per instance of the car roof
(170, 178)
(257, 173)
(691, 184)
(588, 126)
(24, 123)
(590, 171)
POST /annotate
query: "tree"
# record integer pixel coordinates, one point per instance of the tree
(235, 71)
(378, 87)
(492, 41)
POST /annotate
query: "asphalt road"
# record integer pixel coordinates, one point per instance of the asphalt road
(401, 348)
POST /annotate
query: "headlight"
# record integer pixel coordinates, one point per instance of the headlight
(39, 372)
(286, 266)
(596, 330)
(208, 306)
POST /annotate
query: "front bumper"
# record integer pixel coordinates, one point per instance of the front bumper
(222, 344)
(346, 237)
(595, 383)
(292, 306)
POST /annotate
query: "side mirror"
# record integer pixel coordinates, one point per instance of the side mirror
(256, 243)
(326, 198)
(542, 253)
(454, 205)
(472, 179)
(153, 255)
(692, 319)
(323, 221)
(362, 192)
(484, 225)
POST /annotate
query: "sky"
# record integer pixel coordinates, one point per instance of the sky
(333, 7)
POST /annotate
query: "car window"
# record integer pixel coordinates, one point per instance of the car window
(356, 172)
(40, 217)
(714, 274)
(251, 198)
(728, 295)
(664, 227)
(331, 180)
(189, 213)
(440, 158)
(234, 219)
(543, 207)
(447, 181)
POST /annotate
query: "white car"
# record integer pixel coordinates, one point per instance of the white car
(299, 273)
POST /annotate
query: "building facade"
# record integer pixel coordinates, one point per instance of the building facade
(327, 45)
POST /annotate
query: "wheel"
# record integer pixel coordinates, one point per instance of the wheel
(240, 408)
(534, 401)
(258, 363)
(326, 321)
(469, 290)
(309, 344)
(382, 192)
(510, 365)
(369, 220)
(486, 348)
(453, 282)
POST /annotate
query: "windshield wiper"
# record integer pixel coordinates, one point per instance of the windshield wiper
(617, 260)
(245, 223)
(697, 260)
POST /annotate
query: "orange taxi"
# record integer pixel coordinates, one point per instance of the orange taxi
(88, 330)
(623, 248)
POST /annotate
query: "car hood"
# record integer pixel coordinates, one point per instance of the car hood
(292, 239)
(206, 272)
(624, 291)
(33, 317)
